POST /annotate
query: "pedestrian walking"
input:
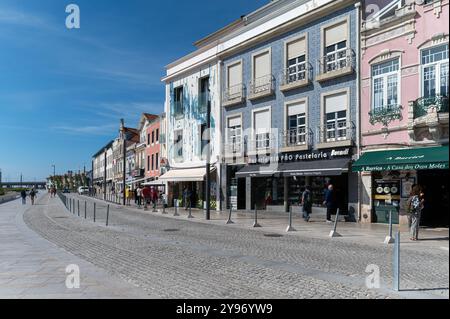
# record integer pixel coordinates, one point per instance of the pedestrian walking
(146, 194)
(330, 202)
(154, 197)
(139, 196)
(32, 195)
(415, 207)
(306, 202)
(127, 196)
(23, 195)
(187, 198)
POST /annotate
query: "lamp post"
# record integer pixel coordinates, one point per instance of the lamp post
(124, 158)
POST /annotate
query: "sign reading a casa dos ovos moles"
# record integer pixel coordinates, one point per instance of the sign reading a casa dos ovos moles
(301, 156)
(405, 167)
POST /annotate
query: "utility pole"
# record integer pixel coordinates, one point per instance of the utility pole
(124, 158)
(208, 159)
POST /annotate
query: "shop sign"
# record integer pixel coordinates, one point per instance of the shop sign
(405, 167)
(301, 156)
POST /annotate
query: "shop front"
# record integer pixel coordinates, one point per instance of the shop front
(390, 175)
(275, 183)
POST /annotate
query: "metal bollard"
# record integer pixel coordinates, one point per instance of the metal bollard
(95, 208)
(190, 212)
(397, 263)
(78, 208)
(389, 239)
(85, 210)
(164, 209)
(290, 228)
(256, 225)
(176, 208)
(334, 233)
(229, 222)
(107, 215)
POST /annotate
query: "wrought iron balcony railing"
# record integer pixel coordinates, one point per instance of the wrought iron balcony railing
(262, 86)
(234, 94)
(422, 105)
(296, 75)
(336, 133)
(339, 63)
(386, 114)
(296, 137)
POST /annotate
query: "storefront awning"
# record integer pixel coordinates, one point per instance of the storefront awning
(334, 167)
(403, 160)
(185, 175)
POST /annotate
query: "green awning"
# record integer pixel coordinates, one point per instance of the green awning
(403, 160)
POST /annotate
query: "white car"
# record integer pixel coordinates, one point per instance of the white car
(83, 190)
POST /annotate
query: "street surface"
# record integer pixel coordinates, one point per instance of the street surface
(151, 255)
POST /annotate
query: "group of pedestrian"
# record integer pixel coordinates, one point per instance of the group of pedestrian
(32, 194)
(143, 196)
(330, 202)
(52, 191)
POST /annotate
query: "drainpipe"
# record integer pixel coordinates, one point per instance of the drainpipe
(358, 99)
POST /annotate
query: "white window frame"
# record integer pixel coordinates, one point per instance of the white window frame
(324, 117)
(231, 137)
(262, 87)
(385, 81)
(240, 93)
(287, 120)
(262, 138)
(298, 64)
(437, 65)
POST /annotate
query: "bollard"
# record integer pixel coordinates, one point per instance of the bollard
(334, 233)
(290, 228)
(107, 215)
(397, 263)
(190, 212)
(85, 210)
(95, 208)
(78, 208)
(229, 222)
(176, 208)
(389, 239)
(256, 225)
(164, 209)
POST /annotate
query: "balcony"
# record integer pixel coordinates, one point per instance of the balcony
(262, 87)
(293, 80)
(336, 136)
(234, 95)
(423, 105)
(233, 150)
(296, 140)
(385, 115)
(336, 65)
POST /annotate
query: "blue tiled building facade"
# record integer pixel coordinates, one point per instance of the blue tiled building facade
(307, 99)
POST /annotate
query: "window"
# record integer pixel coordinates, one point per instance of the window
(234, 81)
(296, 134)
(157, 135)
(336, 47)
(179, 144)
(435, 71)
(148, 139)
(148, 163)
(234, 135)
(157, 161)
(178, 101)
(153, 162)
(203, 97)
(336, 117)
(262, 73)
(153, 137)
(385, 84)
(296, 61)
(262, 129)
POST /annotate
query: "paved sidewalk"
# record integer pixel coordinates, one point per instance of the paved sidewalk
(33, 268)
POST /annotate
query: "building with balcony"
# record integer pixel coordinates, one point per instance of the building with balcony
(290, 90)
(404, 110)
(102, 170)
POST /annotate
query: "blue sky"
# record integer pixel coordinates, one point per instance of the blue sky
(62, 92)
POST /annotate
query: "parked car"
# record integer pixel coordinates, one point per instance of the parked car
(83, 190)
(66, 191)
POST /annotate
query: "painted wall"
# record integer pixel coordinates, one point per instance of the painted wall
(399, 41)
(152, 149)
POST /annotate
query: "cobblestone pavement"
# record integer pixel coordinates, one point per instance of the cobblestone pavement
(31, 267)
(178, 258)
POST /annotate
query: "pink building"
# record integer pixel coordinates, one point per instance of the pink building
(404, 110)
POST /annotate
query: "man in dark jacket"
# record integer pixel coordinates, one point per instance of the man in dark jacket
(306, 202)
(330, 202)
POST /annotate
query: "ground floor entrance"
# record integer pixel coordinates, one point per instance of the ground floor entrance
(435, 186)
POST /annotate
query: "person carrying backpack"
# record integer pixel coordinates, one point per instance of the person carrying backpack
(306, 202)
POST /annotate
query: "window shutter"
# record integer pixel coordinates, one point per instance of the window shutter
(296, 49)
(262, 65)
(262, 121)
(296, 109)
(336, 103)
(336, 34)
(235, 121)
(235, 75)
